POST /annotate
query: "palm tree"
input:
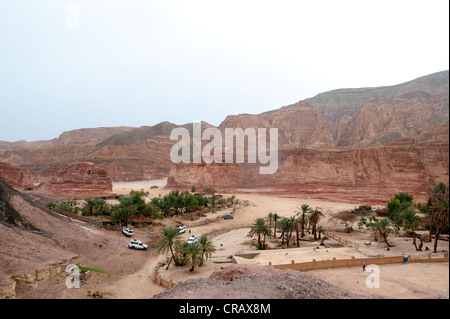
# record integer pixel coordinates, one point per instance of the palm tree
(267, 233)
(384, 226)
(89, 206)
(126, 209)
(292, 224)
(286, 227)
(275, 218)
(166, 243)
(304, 210)
(297, 223)
(193, 256)
(259, 228)
(207, 248)
(321, 231)
(270, 218)
(441, 218)
(425, 209)
(410, 219)
(315, 217)
(180, 252)
(436, 194)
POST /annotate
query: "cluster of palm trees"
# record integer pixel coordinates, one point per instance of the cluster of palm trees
(183, 253)
(401, 210)
(437, 209)
(305, 219)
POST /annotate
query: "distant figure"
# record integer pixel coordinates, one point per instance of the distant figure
(364, 266)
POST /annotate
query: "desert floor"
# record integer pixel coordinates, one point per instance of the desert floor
(428, 280)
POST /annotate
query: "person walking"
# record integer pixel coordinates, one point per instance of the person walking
(364, 266)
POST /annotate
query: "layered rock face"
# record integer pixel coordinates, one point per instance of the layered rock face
(299, 126)
(81, 178)
(339, 106)
(371, 174)
(16, 177)
(386, 119)
(44, 158)
(366, 150)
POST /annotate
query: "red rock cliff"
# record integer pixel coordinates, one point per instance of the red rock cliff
(16, 177)
(81, 178)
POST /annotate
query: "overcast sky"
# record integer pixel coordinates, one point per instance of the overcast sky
(69, 64)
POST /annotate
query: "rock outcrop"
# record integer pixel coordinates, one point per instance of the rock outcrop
(37, 243)
(256, 282)
(80, 178)
(16, 177)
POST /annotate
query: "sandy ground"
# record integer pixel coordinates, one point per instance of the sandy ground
(125, 282)
(419, 281)
(406, 281)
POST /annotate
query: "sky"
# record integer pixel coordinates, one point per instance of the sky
(70, 64)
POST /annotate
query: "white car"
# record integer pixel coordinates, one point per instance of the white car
(192, 240)
(181, 229)
(127, 232)
(136, 244)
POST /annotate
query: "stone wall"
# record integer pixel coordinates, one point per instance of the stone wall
(32, 278)
(354, 262)
(159, 280)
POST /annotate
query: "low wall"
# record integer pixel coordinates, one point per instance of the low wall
(353, 262)
(159, 280)
(218, 232)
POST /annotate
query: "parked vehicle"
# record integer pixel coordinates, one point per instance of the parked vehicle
(181, 229)
(192, 240)
(227, 216)
(136, 244)
(127, 232)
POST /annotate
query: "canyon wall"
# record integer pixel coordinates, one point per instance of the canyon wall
(15, 177)
(80, 178)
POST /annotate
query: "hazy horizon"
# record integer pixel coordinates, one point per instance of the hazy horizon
(76, 64)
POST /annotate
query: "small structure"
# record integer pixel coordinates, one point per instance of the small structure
(141, 221)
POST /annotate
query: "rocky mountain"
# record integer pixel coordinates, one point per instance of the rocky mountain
(299, 127)
(79, 136)
(127, 154)
(339, 106)
(361, 144)
(44, 158)
(350, 139)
